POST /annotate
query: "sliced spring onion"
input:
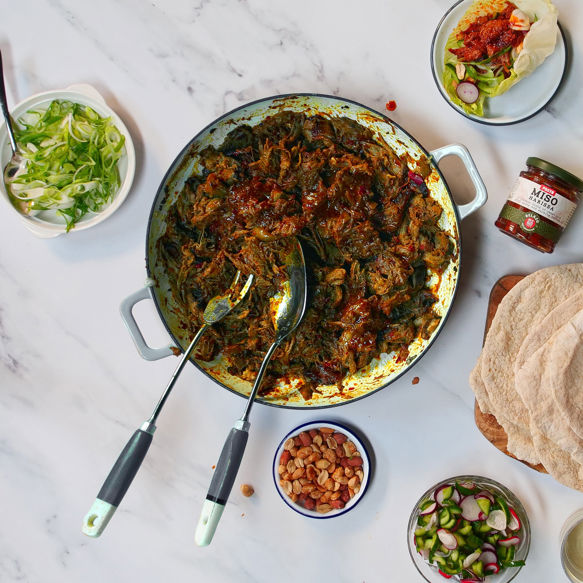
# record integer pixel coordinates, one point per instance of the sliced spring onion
(70, 161)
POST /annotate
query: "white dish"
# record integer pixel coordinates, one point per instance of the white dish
(48, 223)
(366, 468)
(519, 103)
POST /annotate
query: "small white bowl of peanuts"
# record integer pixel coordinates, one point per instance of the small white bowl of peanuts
(321, 469)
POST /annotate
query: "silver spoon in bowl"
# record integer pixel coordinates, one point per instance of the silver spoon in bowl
(287, 309)
(5, 112)
(16, 162)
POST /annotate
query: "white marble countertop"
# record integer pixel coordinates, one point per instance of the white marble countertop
(72, 386)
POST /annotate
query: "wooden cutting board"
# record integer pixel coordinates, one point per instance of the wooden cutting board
(487, 424)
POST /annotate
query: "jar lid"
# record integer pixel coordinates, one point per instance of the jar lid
(556, 170)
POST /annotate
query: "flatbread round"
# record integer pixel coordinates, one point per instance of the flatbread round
(538, 335)
(558, 462)
(566, 371)
(523, 307)
(479, 388)
(534, 383)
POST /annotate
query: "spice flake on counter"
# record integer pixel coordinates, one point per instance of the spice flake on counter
(391, 105)
(415, 381)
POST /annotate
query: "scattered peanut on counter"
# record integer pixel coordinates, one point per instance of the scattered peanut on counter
(247, 490)
(320, 469)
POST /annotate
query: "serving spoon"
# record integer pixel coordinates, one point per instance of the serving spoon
(130, 459)
(287, 309)
(5, 112)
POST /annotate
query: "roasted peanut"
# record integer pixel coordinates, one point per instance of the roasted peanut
(311, 473)
(323, 508)
(353, 482)
(286, 486)
(309, 504)
(305, 438)
(322, 464)
(304, 452)
(318, 440)
(340, 438)
(326, 430)
(349, 471)
(322, 477)
(331, 443)
(296, 487)
(298, 473)
(338, 473)
(330, 456)
(313, 458)
(326, 497)
(247, 490)
(329, 484)
(281, 470)
(288, 444)
(291, 466)
(299, 462)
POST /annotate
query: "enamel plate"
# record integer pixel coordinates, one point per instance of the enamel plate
(519, 103)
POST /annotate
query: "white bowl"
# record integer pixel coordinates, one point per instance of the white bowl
(366, 468)
(49, 223)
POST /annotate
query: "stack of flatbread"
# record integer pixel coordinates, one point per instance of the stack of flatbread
(530, 372)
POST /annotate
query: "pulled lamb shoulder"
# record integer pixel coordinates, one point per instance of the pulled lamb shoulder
(370, 230)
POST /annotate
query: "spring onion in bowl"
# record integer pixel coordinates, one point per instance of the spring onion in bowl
(69, 162)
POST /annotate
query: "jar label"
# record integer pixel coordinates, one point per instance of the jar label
(543, 200)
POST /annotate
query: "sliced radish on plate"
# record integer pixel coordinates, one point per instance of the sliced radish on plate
(467, 92)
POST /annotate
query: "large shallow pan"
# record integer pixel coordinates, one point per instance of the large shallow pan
(380, 372)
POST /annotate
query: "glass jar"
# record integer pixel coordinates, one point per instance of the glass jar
(571, 540)
(540, 204)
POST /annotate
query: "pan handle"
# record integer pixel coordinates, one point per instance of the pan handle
(464, 155)
(126, 309)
